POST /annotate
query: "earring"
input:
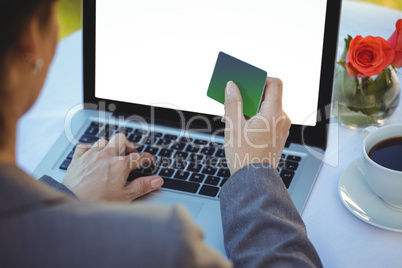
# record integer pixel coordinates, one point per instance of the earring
(37, 66)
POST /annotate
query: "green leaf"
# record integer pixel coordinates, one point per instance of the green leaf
(378, 86)
(344, 85)
(347, 42)
(342, 63)
(354, 118)
(345, 51)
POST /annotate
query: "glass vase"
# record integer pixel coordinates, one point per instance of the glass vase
(361, 102)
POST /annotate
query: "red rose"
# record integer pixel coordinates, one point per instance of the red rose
(368, 56)
(395, 42)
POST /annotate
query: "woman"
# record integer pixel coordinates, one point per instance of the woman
(40, 227)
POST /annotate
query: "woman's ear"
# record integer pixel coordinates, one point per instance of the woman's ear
(30, 45)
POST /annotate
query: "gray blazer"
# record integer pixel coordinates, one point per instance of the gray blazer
(40, 227)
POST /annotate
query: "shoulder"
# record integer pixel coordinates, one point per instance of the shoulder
(85, 234)
(54, 230)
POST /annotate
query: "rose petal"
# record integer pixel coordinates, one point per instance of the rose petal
(368, 56)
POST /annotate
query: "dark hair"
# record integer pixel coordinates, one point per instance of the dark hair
(14, 17)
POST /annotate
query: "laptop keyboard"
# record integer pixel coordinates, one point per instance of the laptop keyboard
(194, 166)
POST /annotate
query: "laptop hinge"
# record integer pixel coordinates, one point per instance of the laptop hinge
(175, 124)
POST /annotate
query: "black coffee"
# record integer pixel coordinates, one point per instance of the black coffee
(388, 153)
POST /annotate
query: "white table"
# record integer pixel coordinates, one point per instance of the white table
(340, 238)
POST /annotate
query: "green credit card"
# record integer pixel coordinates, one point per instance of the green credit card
(249, 79)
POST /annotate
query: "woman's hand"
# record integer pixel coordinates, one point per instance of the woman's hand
(260, 138)
(100, 171)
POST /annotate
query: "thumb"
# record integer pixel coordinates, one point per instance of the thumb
(233, 104)
(143, 185)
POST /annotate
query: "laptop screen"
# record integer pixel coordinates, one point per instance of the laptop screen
(162, 53)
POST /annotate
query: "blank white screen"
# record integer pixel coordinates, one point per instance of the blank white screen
(162, 52)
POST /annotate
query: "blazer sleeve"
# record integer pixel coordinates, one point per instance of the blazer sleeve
(52, 183)
(261, 225)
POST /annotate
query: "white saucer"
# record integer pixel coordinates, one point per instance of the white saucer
(358, 197)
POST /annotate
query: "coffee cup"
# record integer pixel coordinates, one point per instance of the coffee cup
(384, 181)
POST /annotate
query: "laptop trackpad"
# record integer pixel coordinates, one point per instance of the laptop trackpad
(194, 207)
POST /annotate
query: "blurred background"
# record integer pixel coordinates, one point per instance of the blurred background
(70, 13)
(69, 16)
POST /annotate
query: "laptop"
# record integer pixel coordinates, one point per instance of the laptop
(147, 67)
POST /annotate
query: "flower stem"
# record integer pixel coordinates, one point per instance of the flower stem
(359, 87)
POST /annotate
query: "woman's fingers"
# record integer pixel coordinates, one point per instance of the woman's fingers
(81, 149)
(143, 185)
(137, 160)
(233, 104)
(272, 96)
(120, 145)
(99, 145)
